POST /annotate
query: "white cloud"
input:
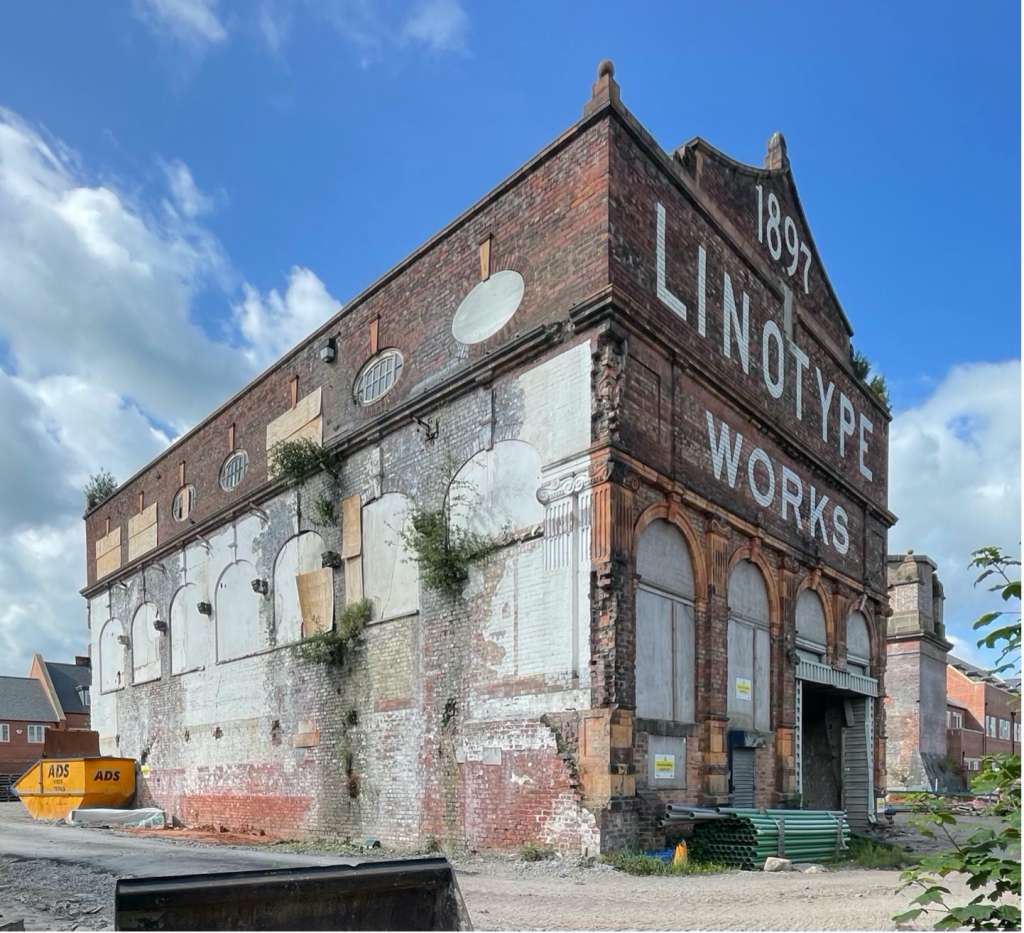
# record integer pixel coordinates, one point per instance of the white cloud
(188, 199)
(954, 481)
(101, 347)
(193, 22)
(270, 323)
(441, 25)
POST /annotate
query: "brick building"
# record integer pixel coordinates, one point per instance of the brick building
(983, 716)
(634, 362)
(915, 702)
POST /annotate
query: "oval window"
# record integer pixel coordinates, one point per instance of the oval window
(233, 470)
(378, 377)
(488, 307)
(184, 499)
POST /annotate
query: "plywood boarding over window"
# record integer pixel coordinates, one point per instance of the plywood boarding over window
(108, 553)
(304, 421)
(142, 532)
(316, 600)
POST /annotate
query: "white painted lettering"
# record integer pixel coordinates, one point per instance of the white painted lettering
(721, 452)
(826, 402)
(801, 364)
(731, 320)
(772, 333)
(765, 498)
(792, 494)
(666, 296)
(817, 517)
(846, 422)
(840, 533)
(702, 287)
(866, 427)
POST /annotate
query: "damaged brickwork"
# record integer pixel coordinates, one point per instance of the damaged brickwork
(683, 534)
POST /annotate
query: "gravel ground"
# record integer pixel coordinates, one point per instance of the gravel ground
(57, 877)
(49, 895)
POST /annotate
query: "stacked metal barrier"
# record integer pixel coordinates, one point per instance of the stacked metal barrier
(744, 838)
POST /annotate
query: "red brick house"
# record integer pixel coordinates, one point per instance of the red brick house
(983, 716)
(25, 714)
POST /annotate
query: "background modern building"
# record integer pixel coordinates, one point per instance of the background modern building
(983, 716)
(627, 372)
(55, 696)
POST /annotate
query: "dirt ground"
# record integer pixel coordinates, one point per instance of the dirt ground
(56, 877)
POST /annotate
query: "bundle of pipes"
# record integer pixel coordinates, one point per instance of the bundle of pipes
(745, 838)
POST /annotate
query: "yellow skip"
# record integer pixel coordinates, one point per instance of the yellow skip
(53, 787)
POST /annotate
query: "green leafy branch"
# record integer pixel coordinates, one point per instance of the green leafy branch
(333, 647)
(296, 461)
(101, 486)
(997, 567)
(876, 384)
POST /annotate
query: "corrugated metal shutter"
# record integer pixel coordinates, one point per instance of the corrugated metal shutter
(857, 766)
(743, 777)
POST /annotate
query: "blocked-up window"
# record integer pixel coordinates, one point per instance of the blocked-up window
(190, 630)
(749, 650)
(112, 652)
(298, 556)
(145, 645)
(237, 613)
(858, 643)
(810, 625)
(664, 625)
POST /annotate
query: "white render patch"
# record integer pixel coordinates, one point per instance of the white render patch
(496, 490)
(390, 574)
(556, 404)
(488, 307)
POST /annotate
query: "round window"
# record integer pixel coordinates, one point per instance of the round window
(378, 376)
(184, 499)
(233, 470)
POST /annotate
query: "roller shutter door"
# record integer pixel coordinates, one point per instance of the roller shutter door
(743, 777)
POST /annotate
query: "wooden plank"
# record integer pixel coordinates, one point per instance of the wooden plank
(353, 580)
(351, 526)
(316, 600)
(293, 420)
(139, 523)
(108, 543)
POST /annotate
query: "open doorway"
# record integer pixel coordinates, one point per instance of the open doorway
(835, 760)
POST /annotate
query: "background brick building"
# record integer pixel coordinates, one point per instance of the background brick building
(628, 370)
(983, 716)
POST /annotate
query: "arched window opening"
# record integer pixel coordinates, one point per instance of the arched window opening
(664, 625)
(145, 645)
(749, 650)
(858, 644)
(811, 639)
(113, 655)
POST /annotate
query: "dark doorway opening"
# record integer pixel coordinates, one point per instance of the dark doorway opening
(821, 733)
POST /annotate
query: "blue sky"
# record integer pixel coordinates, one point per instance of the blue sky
(269, 160)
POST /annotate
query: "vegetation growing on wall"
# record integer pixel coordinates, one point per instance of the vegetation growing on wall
(296, 461)
(876, 384)
(324, 514)
(101, 486)
(444, 551)
(333, 648)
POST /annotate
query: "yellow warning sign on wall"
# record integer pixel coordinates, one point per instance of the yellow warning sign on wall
(664, 767)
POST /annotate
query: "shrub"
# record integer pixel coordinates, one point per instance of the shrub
(869, 853)
(323, 512)
(531, 852)
(332, 648)
(443, 551)
(636, 863)
(101, 486)
(295, 461)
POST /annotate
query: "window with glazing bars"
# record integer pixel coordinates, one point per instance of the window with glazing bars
(380, 375)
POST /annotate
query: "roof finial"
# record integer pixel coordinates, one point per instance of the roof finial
(776, 157)
(605, 89)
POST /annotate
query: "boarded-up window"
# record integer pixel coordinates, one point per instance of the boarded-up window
(298, 555)
(858, 643)
(749, 650)
(145, 645)
(664, 625)
(810, 623)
